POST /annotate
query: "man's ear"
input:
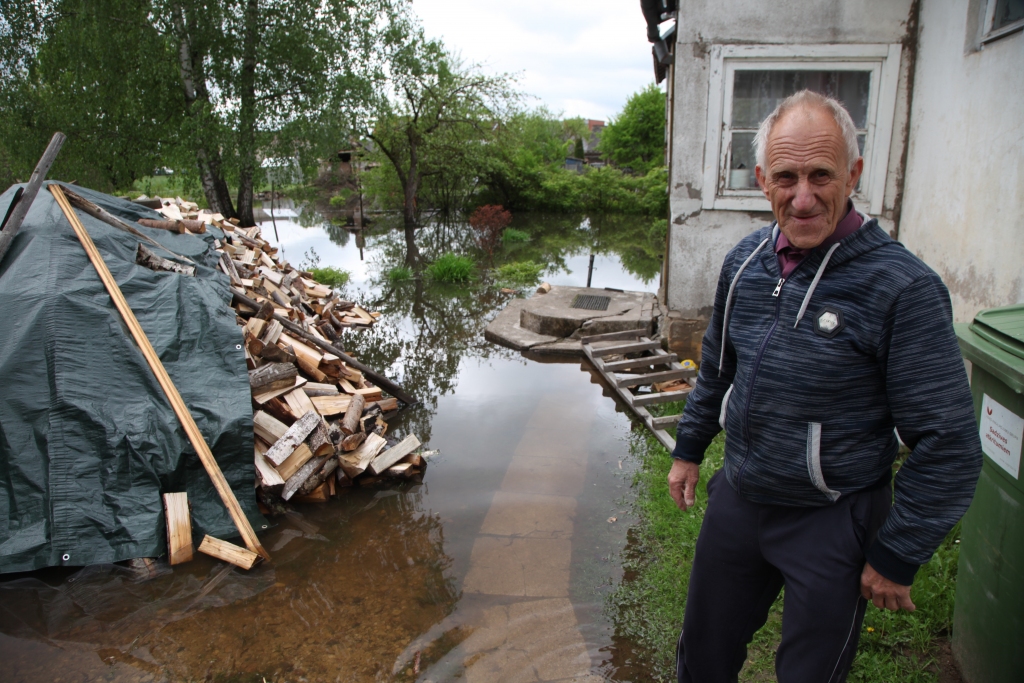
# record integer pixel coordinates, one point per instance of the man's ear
(855, 172)
(761, 179)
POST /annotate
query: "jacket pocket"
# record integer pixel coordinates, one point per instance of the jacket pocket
(814, 461)
(725, 407)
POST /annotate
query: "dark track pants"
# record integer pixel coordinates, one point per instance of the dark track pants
(746, 553)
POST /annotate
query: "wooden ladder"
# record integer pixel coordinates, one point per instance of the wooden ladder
(649, 364)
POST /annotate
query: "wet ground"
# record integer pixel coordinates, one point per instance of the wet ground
(495, 568)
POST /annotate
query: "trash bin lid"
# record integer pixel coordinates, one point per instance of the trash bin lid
(1002, 327)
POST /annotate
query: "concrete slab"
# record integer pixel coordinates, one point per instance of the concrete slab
(523, 567)
(530, 516)
(545, 476)
(547, 325)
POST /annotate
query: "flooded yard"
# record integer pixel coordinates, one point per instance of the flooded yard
(495, 568)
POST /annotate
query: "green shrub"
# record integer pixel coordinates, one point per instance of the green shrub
(330, 276)
(513, 235)
(523, 273)
(451, 268)
(341, 199)
(399, 274)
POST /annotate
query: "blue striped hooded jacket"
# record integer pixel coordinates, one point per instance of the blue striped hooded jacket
(815, 374)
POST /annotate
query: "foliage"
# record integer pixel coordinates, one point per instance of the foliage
(648, 606)
(399, 274)
(331, 276)
(636, 137)
(513, 235)
(341, 198)
(488, 222)
(520, 273)
(451, 268)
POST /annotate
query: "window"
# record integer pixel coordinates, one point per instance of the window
(748, 82)
(1003, 17)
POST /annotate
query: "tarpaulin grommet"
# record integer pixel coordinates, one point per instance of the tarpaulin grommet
(238, 347)
(66, 557)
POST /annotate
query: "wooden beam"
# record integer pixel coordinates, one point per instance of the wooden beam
(642, 362)
(613, 336)
(229, 552)
(180, 409)
(665, 422)
(17, 216)
(179, 527)
(627, 348)
(651, 378)
(663, 397)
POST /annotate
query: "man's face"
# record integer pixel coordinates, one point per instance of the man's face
(808, 177)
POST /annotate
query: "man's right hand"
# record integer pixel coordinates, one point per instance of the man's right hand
(682, 483)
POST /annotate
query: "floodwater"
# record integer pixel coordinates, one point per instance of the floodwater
(494, 568)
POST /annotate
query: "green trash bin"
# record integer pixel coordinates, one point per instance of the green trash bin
(988, 618)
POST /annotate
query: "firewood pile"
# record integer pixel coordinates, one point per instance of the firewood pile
(320, 423)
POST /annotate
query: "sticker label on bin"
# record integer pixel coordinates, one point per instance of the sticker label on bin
(1001, 434)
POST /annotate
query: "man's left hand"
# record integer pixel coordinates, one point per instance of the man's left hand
(883, 593)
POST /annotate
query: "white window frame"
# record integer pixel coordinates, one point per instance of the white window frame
(882, 60)
(988, 35)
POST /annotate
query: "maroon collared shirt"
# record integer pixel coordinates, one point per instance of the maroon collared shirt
(790, 257)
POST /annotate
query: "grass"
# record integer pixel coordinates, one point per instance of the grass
(330, 276)
(399, 274)
(513, 235)
(647, 607)
(451, 268)
(521, 273)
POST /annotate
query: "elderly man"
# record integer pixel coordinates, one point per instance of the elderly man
(826, 336)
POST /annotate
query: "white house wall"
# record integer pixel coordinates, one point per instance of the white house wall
(963, 203)
(699, 239)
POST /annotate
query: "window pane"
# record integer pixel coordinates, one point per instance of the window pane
(757, 93)
(1007, 12)
(742, 162)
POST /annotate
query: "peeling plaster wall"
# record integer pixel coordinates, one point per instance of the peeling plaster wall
(698, 239)
(963, 202)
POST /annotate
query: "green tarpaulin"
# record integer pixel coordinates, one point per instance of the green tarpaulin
(88, 441)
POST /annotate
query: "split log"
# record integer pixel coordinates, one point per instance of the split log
(314, 389)
(319, 495)
(272, 376)
(291, 439)
(299, 457)
(145, 257)
(270, 352)
(267, 427)
(265, 396)
(394, 454)
(352, 441)
(356, 462)
(296, 480)
(350, 423)
(228, 552)
(179, 527)
(319, 440)
(298, 403)
(332, 405)
(266, 312)
(320, 477)
(171, 226)
(270, 478)
(229, 269)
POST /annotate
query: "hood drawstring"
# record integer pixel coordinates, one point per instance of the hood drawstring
(732, 289)
(814, 283)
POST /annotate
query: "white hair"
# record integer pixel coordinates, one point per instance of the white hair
(811, 98)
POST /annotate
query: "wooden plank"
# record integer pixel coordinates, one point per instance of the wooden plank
(177, 403)
(299, 457)
(331, 405)
(651, 378)
(642, 362)
(356, 462)
(300, 382)
(613, 336)
(268, 427)
(394, 454)
(17, 215)
(228, 552)
(664, 422)
(291, 439)
(626, 348)
(299, 403)
(179, 527)
(663, 397)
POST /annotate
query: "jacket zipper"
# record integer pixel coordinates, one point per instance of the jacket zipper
(753, 378)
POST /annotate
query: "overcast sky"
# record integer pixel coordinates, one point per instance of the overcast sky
(578, 57)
